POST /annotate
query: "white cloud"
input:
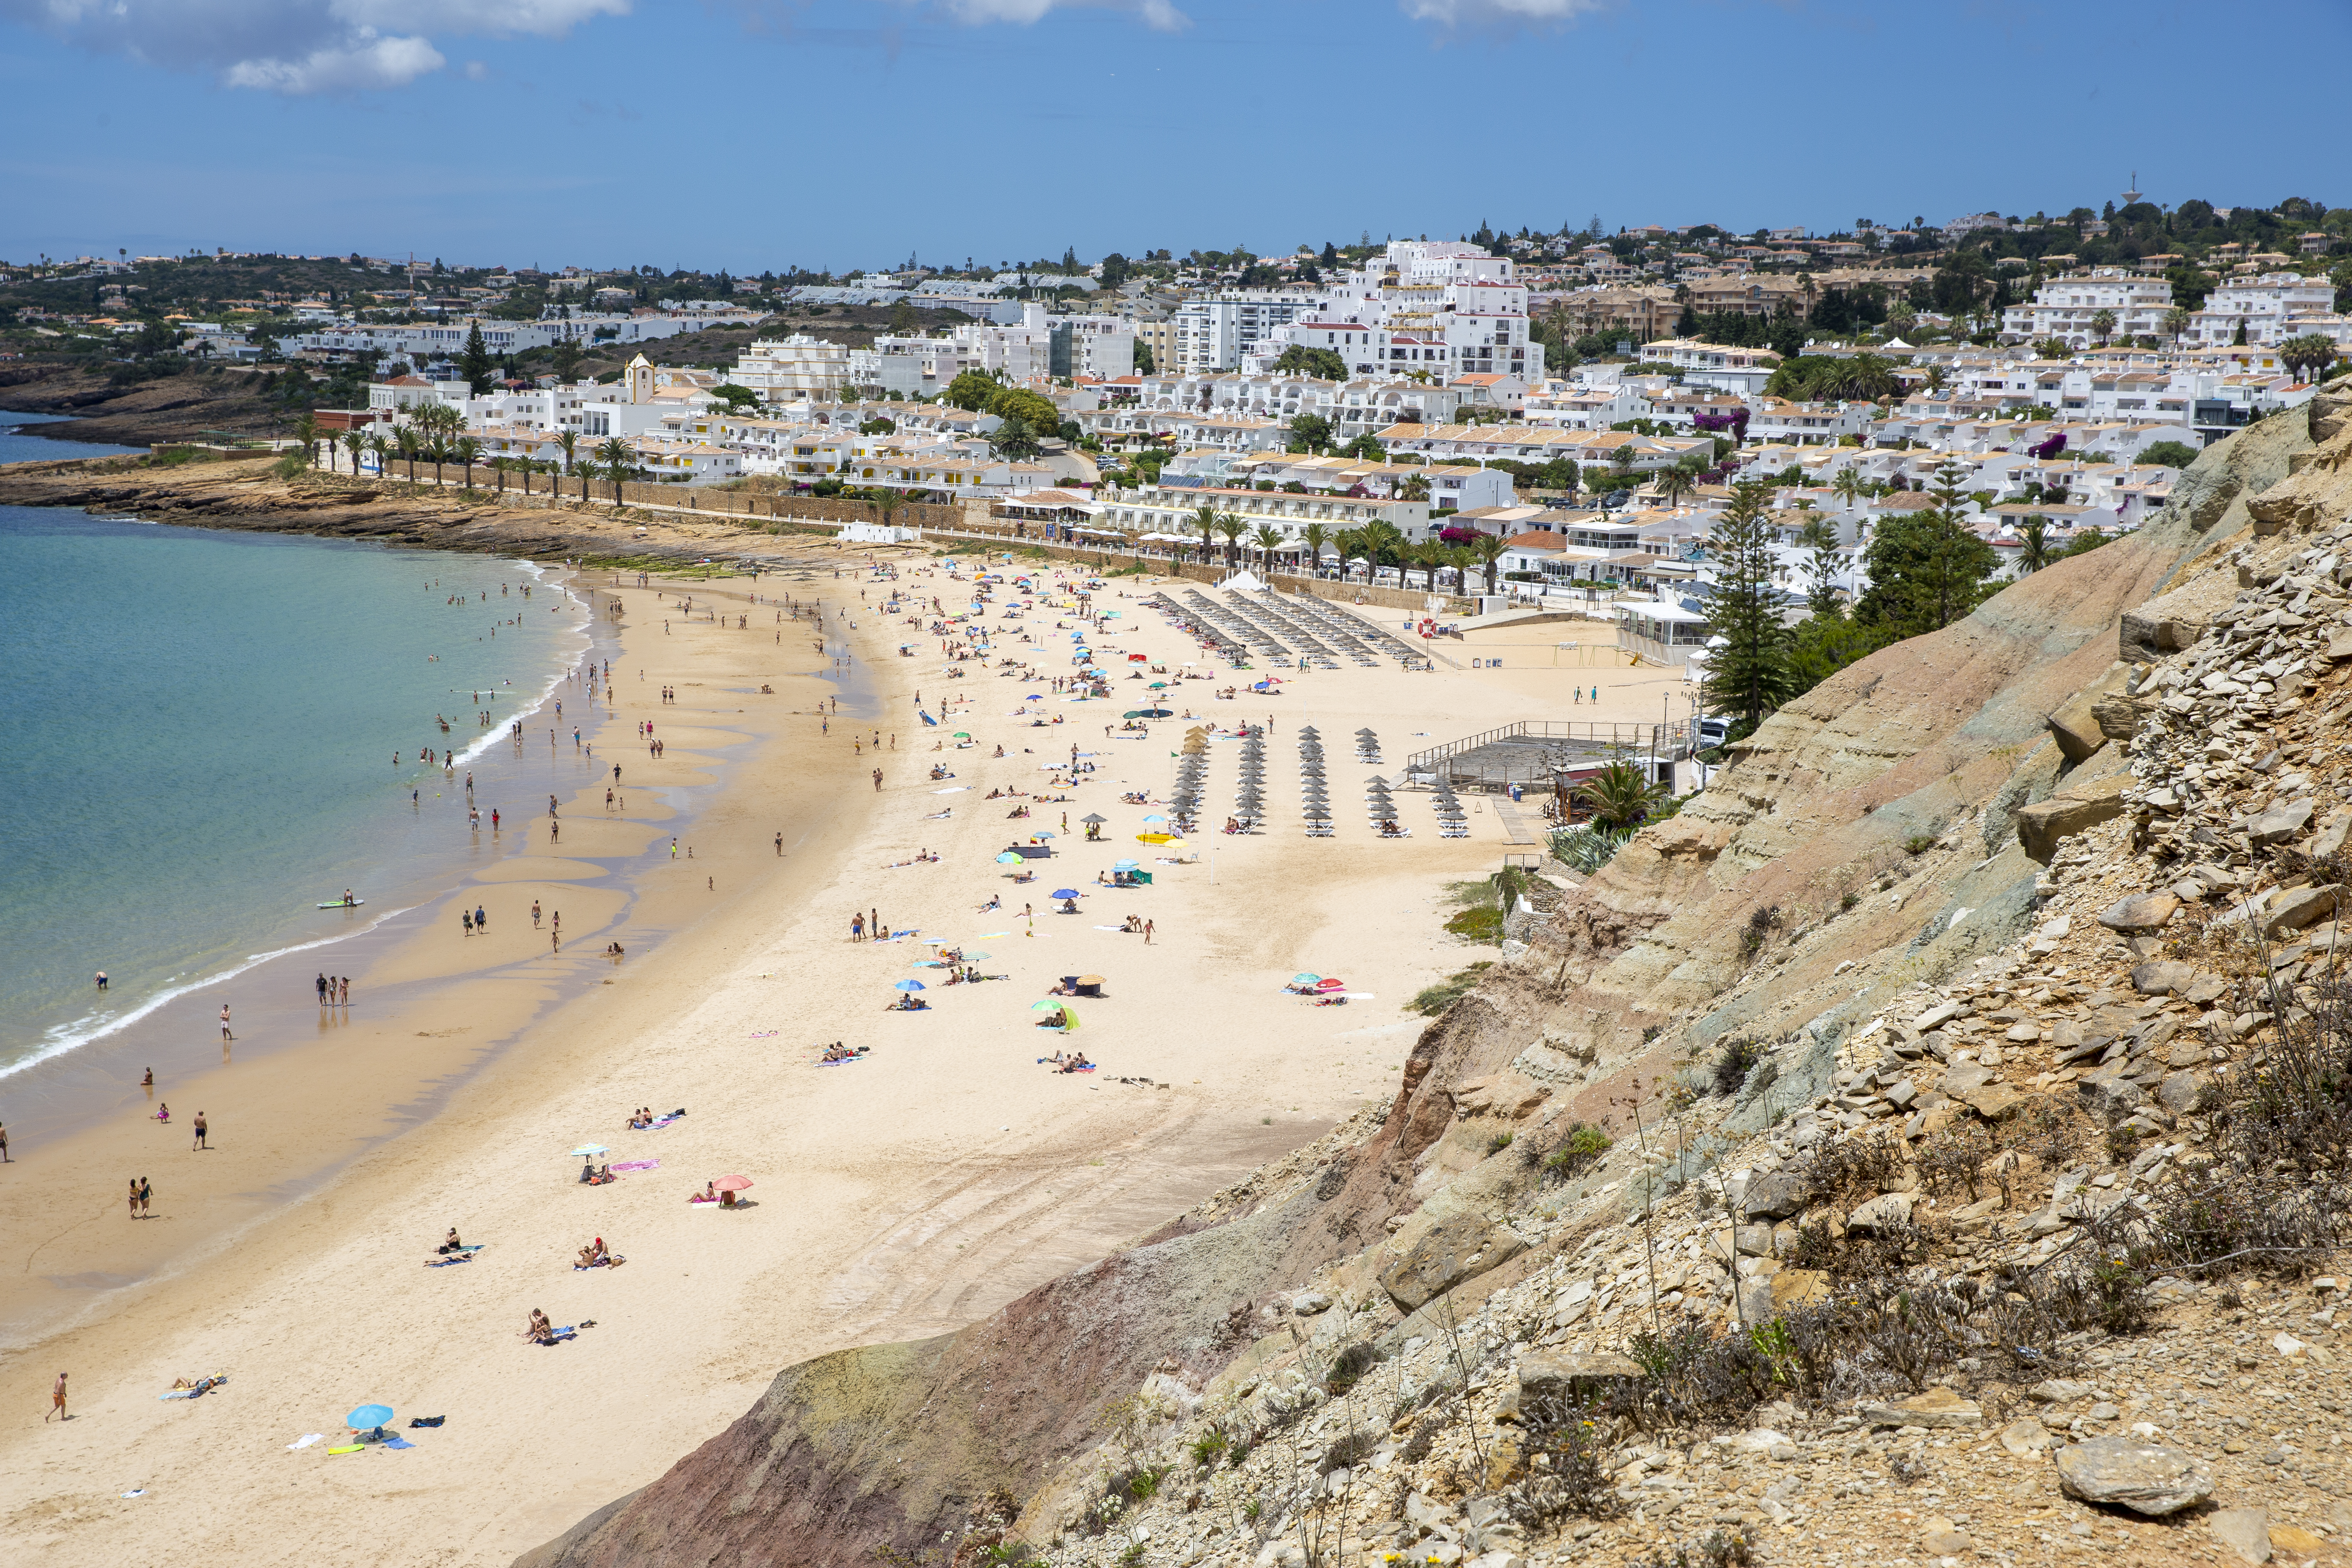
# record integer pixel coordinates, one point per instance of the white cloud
(368, 63)
(298, 47)
(1503, 14)
(1157, 15)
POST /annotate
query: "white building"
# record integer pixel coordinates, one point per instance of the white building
(2271, 308)
(2066, 306)
(1422, 309)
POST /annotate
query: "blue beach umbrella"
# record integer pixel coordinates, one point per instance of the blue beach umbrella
(911, 985)
(1124, 865)
(1155, 818)
(590, 1149)
(368, 1415)
(1008, 858)
(1065, 892)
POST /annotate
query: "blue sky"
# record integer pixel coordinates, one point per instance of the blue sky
(761, 133)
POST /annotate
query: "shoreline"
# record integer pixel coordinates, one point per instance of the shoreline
(453, 1023)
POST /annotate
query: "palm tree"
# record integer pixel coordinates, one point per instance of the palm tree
(2176, 322)
(1674, 484)
(437, 448)
(567, 442)
(407, 437)
(1233, 527)
(2036, 553)
(469, 451)
(1315, 535)
(1268, 539)
(1204, 522)
(354, 442)
(618, 459)
(382, 450)
(1848, 485)
(1413, 487)
(2102, 326)
(306, 430)
(1488, 548)
(1620, 796)
(1381, 543)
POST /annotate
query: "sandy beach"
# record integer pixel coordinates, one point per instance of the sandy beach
(896, 1195)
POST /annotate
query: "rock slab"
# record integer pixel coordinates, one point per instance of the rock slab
(2146, 1478)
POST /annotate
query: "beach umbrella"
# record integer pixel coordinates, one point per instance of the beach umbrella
(975, 956)
(587, 1149)
(1091, 817)
(1155, 817)
(961, 735)
(911, 985)
(1303, 978)
(1048, 1004)
(1065, 892)
(731, 1183)
(1091, 980)
(1008, 858)
(368, 1415)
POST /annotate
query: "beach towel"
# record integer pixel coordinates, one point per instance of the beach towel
(840, 1061)
(136, 1492)
(428, 1421)
(636, 1164)
(765, 1035)
(398, 1443)
(1110, 928)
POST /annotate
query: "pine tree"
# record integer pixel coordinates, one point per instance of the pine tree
(475, 365)
(1926, 570)
(1750, 674)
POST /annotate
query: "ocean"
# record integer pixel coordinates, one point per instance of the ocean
(203, 728)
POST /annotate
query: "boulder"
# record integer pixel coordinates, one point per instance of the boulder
(1575, 1374)
(1939, 1407)
(2042, 826)
(2119, 718)
(2073, 727)
(2025, 1437)
(2125, 1472)
(1778, 1195)
(2162, 977)
(1306, 1303)
(2244, 1531)
(2299, 907)
(2330, 837)
(2141, 914)
(1888, 1210)
(2280, 823)
(2108, 1091)
(2181, 1092)
(1942, 1538)
(1442, 1257)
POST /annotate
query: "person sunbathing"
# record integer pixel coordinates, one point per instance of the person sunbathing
(594, 1255)
(539, 1330)
(588, 1171)
(1069, 906)
(451, 1243)
(995, 901)
(1077, 1062)
(706, 1195)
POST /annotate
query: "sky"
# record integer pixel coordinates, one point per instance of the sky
(840, 134)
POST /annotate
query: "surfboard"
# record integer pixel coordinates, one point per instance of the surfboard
(339, 904)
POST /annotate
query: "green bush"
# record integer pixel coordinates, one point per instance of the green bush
(1579, 1152)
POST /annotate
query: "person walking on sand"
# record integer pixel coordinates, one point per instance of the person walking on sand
(3, 1143)
(58, 1402)
(345, 985)
(878, 778)
(534, 914)
(225, 1036)
(858, 926)
(780, 846)
(200, 1143)
(146, 1199)
(1147, 933)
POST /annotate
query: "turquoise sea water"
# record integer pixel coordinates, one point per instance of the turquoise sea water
(201, 733)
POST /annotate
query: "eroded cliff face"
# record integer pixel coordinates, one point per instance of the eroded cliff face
(1866, 839)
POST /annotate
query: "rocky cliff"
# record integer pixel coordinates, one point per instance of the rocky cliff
(1347, 1351)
